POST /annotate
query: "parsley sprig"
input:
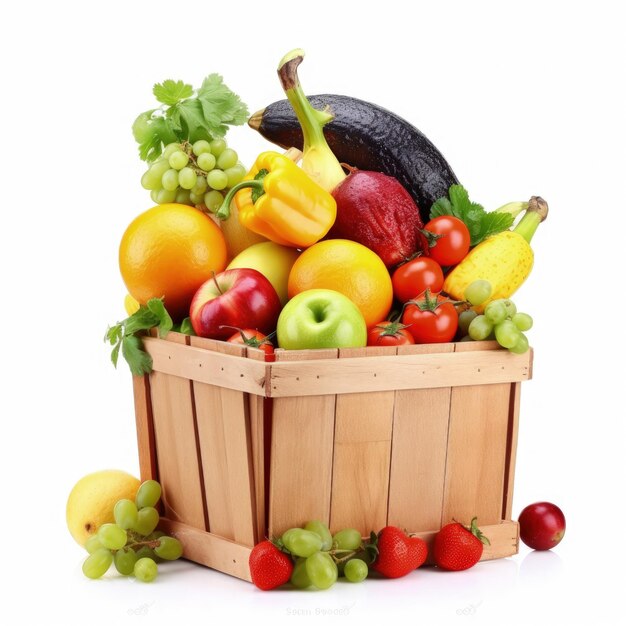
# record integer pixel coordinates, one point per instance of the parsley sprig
(187, 115)
(125, 336)
(479, 223)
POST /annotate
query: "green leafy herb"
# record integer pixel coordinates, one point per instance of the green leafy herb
(479, 223)
(124, 335)
(186, 328)
(186, 115)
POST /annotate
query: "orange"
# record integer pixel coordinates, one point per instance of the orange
(169, 251)
(347, 267)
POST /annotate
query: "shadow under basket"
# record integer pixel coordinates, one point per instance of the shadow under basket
(410, 436)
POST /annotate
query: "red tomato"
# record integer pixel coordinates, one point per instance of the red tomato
(254, 339)
(389, 334)
(453, 243)
(433, 319)
(416, 276)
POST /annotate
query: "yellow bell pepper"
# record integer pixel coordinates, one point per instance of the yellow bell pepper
(280, 201)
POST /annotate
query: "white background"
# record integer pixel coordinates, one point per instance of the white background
(522, 99)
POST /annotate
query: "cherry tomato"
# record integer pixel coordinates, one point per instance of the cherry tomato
(453, 243)
(389, 334)
(433, 319)
(416, 276)
(254, 339)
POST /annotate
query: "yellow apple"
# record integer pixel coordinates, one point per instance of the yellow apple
(272, 260)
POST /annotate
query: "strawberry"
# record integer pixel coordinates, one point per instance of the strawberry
(398, 553)
(269, 567)
(458, 547)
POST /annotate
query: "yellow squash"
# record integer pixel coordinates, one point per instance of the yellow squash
(505, 259)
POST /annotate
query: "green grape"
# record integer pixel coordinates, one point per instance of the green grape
(164, 196)
(217, 179)
(125, 514)
(183, 196)
(477, 292)
(206, 161)
(169, 549)
(97, 564)
(178, 159)
(194, 199)
(228, 158)
(495, 312)
(235, 175)
(148, 494)
(169, 150)
(466, 338)
(149, 181)
(141, 128)
(507, 334)
(299, 577)
(124, 561)
(93, 543)
(465, 319)
(218, 146)
(319, 528)
(321, 570)
(201, 146)
(169, 180)
(201, 186)
(523, 321)
(355, 570)
(302, 542)
(511, 309)
(145, 553)
(145, 570)
(347, 539)
(213, 200)
(187, 178)
(147, 520)
(112, 537)
(521, 346)
(154, 195)
(480, 328)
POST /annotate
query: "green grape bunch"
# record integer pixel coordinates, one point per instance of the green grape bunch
(183, 142)
(132, 544)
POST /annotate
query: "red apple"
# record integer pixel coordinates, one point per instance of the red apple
(541, 525)
(239, 297)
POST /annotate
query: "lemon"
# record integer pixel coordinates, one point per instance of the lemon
(130, 304)
(91, 501)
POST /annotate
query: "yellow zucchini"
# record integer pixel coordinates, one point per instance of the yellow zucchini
(505, 259)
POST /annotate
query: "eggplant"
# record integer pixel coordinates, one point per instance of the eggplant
(368, 137)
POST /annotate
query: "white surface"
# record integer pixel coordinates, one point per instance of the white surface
(522, 100)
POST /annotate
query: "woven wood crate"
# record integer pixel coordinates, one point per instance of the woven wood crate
(412, 436)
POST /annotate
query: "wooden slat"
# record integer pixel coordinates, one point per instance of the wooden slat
(474, 481)
(301, 456)
(207, 365)
(418, 453)
(511, 450)
(175, 437)
(146, 447)
(362, 450)
(225, 450)
(406, 371)
(209, 549)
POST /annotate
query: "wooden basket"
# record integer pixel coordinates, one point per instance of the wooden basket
(412, 436)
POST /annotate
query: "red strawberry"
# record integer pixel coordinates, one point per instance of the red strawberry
(398, 554)
(269, 567)
(457, 547)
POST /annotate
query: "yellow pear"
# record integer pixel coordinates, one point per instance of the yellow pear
(91, 501)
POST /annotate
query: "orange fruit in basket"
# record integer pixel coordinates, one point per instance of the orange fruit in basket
(169, 251)
(347, 267)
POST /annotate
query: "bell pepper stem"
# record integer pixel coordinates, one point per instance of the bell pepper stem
(223, 212)
(535, 214)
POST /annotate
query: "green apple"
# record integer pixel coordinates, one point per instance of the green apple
(272, 260)
(320, 318)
